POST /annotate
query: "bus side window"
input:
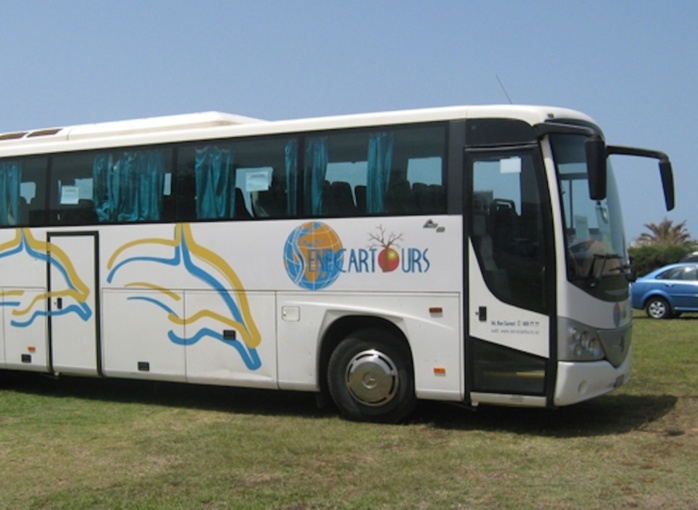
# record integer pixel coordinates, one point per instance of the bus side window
(266, 176)
(118, 186)
(238, 179)
(426, 178)
(10, 176)
(272, 202)
(22, 185)
(376, 172)
(399, 198)
(71, 190)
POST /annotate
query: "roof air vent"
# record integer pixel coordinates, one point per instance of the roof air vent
(13, 136)
(43, 132)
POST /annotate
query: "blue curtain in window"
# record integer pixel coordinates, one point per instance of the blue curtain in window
(215, 183)
(380, 162)
(128, 187)
(105, 206)
(147, 168)
(316, 167)
(10, 178)
(291, 154)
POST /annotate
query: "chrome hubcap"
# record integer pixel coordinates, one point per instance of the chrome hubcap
(372, 378)
(657, 309)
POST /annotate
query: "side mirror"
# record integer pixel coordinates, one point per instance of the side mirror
(596, 163)
(631, 275)
(665, 170)
(667, 175)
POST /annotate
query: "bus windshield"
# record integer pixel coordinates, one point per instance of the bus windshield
(593, 229)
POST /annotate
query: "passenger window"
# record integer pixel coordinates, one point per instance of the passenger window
(120, 186)
(398, 171)
(238, 180)
(425, 176)
(22, 192)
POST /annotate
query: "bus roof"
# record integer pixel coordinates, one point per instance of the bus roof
(131, 127)
(210, 125)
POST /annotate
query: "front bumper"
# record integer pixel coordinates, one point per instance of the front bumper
(579, 381)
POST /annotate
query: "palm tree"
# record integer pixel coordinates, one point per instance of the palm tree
(665, 234)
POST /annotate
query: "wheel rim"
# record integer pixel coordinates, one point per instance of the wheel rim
(372, 378)
(657, 309)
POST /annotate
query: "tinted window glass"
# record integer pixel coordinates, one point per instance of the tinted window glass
(23, 192)
(679, 273)
(239, 179)
(118, 186)
(509, 231)
(391, 171)
(671, 274)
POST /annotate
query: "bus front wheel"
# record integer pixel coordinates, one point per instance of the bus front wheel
(370, 377)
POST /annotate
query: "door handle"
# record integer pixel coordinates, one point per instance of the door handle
(59, 303)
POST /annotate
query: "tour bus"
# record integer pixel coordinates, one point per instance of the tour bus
(471, 254)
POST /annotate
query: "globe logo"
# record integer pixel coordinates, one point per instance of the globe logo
(313, 255)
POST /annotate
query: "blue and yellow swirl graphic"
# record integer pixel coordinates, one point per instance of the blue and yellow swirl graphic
(73, 288)
(209, 268)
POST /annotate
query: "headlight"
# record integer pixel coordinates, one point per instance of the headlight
(579, 343)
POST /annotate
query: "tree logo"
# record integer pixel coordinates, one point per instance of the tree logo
(388, 257)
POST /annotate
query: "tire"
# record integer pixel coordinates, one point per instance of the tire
(370, 377)
(658, 308)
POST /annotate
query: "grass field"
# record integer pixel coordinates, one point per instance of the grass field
(82, 443)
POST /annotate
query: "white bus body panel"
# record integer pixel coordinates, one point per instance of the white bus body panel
(133, 333)
(26, 343)
(193, 316)
(430, 322)
(428, 257)
(214, 362)
(217, 302)
(73, 303)
(23, 345)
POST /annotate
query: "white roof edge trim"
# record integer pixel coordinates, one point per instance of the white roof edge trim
(158, 124)
(532, 114)
(195, 126)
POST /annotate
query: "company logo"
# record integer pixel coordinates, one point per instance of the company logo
(314, 256)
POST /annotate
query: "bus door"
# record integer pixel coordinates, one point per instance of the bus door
(510, 291)
(73, 307)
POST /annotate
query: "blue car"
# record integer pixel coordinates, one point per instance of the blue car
(667, 291)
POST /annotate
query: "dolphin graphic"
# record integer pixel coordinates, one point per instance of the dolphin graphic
(207, 267)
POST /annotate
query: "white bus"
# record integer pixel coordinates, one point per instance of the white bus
(468, 254)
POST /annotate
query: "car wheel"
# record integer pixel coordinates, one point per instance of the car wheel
(370, 377)
(658, 308)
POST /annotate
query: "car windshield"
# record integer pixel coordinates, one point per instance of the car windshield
(593, 229)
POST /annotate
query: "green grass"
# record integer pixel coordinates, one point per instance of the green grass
(82, 443)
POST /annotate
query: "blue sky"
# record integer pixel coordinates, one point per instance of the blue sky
(631, 65)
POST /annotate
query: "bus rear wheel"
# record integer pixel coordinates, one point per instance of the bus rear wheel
(370, 377)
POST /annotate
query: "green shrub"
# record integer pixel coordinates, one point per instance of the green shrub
(646, 259)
